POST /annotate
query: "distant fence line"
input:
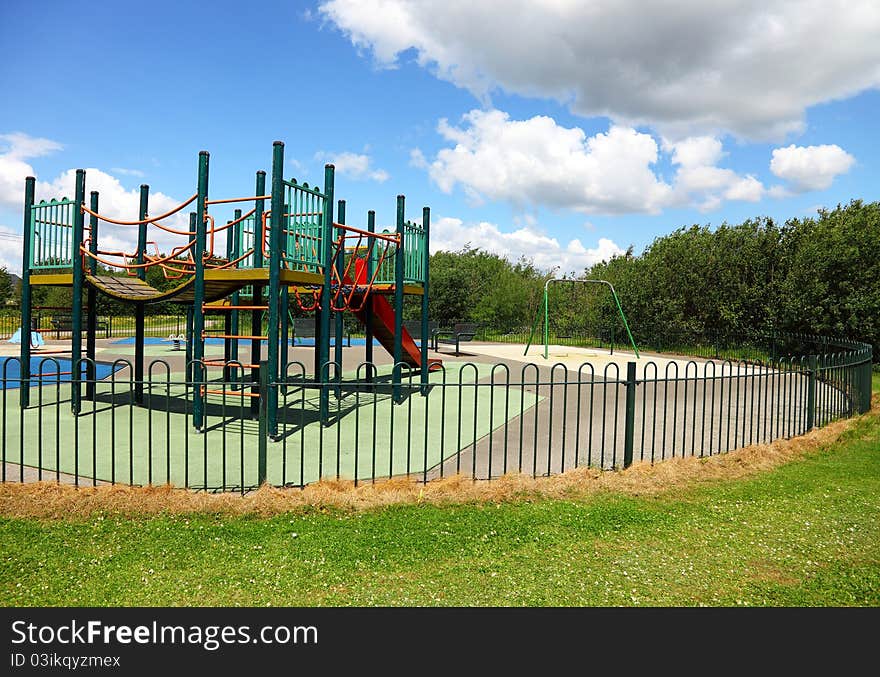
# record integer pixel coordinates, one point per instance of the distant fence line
(477, 420)
(719, 345)
(51, 324)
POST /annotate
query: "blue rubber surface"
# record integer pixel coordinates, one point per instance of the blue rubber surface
(48, 368)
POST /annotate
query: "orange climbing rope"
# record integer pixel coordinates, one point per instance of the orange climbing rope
(210, 307)
(149, 219)
(344, 281)
(237, 199)
(131, 266)
(316, 299)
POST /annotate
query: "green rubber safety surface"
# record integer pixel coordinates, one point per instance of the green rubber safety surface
(366, 435)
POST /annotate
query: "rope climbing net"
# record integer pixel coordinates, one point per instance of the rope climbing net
(180, 261)
(358, 257)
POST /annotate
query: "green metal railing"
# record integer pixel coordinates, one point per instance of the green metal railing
(480, 421)
(52, 234)
(414, 254)
(305, 246)
(247, 240)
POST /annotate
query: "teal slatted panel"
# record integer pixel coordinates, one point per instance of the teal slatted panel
(52, 230)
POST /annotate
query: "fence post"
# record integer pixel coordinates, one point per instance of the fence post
(630, 423)
(811, 391)
(264, 422)
(865, 394)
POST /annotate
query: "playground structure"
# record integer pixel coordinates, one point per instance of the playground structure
(544, 312)
(295, 246)
(482, 418)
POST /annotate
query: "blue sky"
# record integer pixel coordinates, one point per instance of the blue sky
(562, 131)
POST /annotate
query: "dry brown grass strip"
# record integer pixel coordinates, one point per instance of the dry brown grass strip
(43, 500)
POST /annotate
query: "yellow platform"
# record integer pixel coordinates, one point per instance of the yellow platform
(219, 284)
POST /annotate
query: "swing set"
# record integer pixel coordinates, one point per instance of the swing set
(544, 310)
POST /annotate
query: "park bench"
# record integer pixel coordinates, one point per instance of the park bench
(414, 327)
(460, 332)
(305, 327)
(62, 323)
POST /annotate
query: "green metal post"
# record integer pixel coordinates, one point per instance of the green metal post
(284, 356)
(190, 319)
(139, 319)
(26, 310)
(630, 422)
(92, 299)
(284, 311)
(812, 363)
(625, 323)
(198, 410)
(368, 309)
(534, 324)
(546, 322)
(257, 298)
(327, 248)
(865, 400)
(275, 249)
(189, 343)
(338, 318)
(426, 257)
(236, 295)
(76, 310)
(398, 302)
(263, 426)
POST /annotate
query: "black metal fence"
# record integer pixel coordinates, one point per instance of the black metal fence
(472, 419)
(56, 324)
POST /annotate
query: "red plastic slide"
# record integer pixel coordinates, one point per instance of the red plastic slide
(383, 330)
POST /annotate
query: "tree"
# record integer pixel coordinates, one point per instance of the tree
(7, 289)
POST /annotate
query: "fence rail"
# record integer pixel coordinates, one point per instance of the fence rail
(477, 420)
(50, 324)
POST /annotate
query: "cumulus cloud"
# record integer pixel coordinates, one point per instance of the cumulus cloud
(128, 172)
(10, 249)
(119, 202)
(699, 182)
(810, 167)
(537, 161)
(357, 166)
(15, 148)
(540, 162)
(22, 146)
(687, 68)
(452, 234)
(116, 201)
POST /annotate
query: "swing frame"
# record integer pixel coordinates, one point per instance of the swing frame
(546, 308)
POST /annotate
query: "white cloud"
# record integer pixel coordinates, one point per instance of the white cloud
(128, 172)
(118, 202)
(688, 68)
(15, 148)
(22, 146)
(10, 249)
(810, 167)
(698, 181)
(451, 234)
(539, 162)
(417, 159)
(354, 165)
(115, 200)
